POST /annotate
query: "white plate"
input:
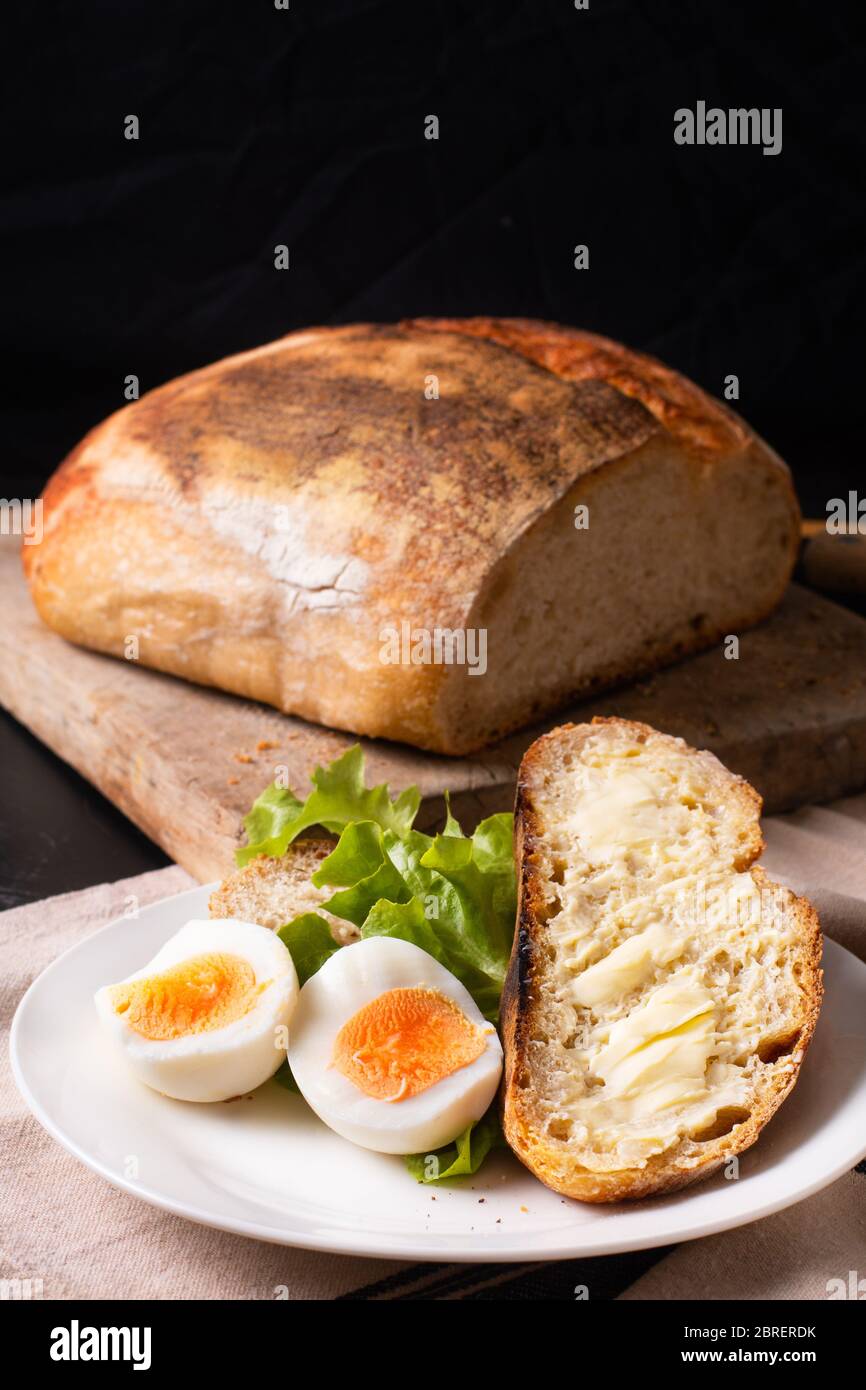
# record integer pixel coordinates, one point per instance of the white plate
(264, 1166)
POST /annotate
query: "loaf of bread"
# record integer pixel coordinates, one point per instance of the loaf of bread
(662, 991)
(435, 532)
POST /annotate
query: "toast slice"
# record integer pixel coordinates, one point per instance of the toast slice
(662, 991)
(271, 892)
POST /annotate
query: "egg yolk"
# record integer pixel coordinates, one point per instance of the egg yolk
(197, 996)
(405, 1041)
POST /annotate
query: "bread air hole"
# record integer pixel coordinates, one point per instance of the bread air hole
(560, 1129)
(772, 1048)
(726, 1119)
(551, 908)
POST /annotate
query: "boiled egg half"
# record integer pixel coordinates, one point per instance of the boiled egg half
(391, 1050)
(207, 1018)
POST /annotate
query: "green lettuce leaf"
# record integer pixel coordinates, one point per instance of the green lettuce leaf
(407, 922)
(309, 942)
(338, 798)
(452, 826)
(284, 1078)
(480, 871)
(451, 894)
(360, 866)
(464, 1156)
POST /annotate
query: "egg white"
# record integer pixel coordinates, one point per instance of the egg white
(223, 1062)
(349, 979)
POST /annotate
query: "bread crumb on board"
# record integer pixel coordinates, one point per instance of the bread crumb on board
(262, 746)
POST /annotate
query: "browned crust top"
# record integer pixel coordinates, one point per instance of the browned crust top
(694, 418)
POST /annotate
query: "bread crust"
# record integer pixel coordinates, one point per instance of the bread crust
(258, 524)
(697, 420)
(522, 994)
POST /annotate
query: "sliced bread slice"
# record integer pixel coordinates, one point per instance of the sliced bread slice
(662, 991)
(271, 892)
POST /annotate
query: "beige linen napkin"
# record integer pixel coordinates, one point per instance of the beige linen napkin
(65, 1227)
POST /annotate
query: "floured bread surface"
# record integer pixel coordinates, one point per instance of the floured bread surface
(662, 991)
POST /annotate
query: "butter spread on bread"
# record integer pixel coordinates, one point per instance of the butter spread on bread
(662, 991)
(259, 524)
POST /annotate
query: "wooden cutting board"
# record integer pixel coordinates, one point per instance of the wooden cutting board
(185, 762)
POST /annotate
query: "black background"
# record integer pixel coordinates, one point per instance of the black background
(306, 127)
